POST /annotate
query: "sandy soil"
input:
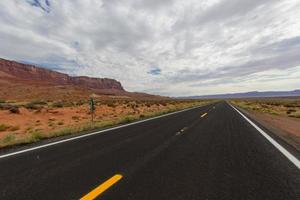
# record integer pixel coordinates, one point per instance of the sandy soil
(285, 127)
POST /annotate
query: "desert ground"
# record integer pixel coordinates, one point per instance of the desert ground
(281, 115)
(26, 122)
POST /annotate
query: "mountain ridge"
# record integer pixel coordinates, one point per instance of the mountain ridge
(251, 94)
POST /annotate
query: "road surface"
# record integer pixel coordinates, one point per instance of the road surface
(210, 152)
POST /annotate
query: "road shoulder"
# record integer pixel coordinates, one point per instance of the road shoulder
(279, 135)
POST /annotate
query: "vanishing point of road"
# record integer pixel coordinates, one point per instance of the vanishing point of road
(209, 152)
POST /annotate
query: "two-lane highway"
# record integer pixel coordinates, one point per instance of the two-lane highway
(210, 152)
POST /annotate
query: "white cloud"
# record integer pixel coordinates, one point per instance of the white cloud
(199, 47)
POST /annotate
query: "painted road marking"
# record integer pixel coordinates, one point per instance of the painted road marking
(287, 154)
(178, 133)
(184, 129)
(102, 188)
(93, 133)
(204, 115)
(181, 131)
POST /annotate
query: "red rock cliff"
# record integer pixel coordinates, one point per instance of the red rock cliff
(36, 74)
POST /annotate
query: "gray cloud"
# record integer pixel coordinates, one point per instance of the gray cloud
(224, 45)
(284, 55)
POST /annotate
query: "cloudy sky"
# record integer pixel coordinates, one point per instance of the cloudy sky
(167, 47)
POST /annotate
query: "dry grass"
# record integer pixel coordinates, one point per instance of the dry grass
(288, 107)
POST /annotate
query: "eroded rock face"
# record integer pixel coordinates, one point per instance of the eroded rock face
(36, 74)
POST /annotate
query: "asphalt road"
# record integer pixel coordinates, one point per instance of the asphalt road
(206, 153)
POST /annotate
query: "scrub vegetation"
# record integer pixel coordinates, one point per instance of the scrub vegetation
(289, 107)
(37, 120)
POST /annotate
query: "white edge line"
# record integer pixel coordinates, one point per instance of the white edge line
(287, 154)
(93, 133)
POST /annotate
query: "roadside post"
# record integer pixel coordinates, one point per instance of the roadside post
(92, 108)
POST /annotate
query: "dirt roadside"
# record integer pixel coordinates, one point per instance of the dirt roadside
(286, 128)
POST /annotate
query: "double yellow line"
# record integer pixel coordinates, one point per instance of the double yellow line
(102, 188)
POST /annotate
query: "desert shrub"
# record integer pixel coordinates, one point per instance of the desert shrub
(29, 129)
(39, 102)
(289, 111)
(75, 117)
(36, 136)
(14, 109)
(3, 127)
(32, 106)
(2, 101)
(35, 105)
(60, 123)
(163, 103)
(8, 138)
(68, 103)
(289, 105)
(274, 103)
(142, 116)
(14, 128)
(80, 102)
(5, 106)
(58, 104)
(297, 116)
(111, 105)
(127, 119)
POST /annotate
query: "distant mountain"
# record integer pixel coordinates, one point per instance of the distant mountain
(249, 95)
(26, 82)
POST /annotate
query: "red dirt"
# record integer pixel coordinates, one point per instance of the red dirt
(286, 127)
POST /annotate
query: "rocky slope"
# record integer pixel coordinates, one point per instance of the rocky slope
(33, 74)
(23, 82)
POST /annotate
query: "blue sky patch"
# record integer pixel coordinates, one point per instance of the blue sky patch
(42, 4)
(155, 71)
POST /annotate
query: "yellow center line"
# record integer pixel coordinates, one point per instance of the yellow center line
(102, 188)
(204, 115)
